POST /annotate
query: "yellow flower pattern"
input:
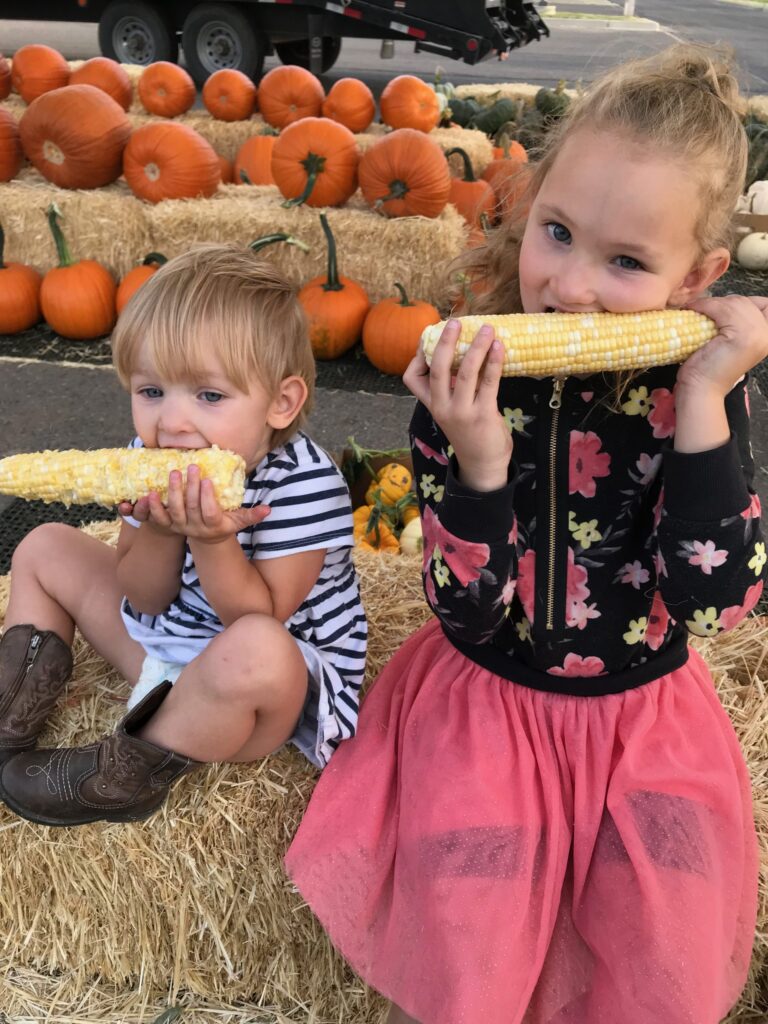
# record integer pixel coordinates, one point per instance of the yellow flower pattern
(638, 404)
(428, 487)
(636, 632)
(585, 533)
(757, 561)
(704, 623)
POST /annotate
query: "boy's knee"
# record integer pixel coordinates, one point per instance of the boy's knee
(38, 544)
(252, 656)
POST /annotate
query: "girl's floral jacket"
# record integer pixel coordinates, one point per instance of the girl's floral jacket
(585, 573)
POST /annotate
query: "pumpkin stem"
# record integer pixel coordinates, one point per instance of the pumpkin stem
(404, 300)
(154, 257)
(469, 174)
(279, 236)
(313, 165)
(333, 284)
(244, 177)
(398, 190)
(2, 247)
(65, 257)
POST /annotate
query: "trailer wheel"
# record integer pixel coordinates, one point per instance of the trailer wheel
(217, 36)
(297, 52)
(137, 33)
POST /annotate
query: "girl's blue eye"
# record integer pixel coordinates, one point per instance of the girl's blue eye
(211, 397)
(559, 232)
(628, 263)
(151, 392)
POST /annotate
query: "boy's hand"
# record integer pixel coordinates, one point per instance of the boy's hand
(196, 513)
(465, 407)
(740, 344)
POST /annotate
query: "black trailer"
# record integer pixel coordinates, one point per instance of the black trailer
(308, 32)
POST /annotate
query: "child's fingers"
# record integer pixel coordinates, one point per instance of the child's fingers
(156, 510)
(209, 505)
(416, 377)
(441, 369)
(490, 374)
(473, 364)
(176, 507)
(192, 495)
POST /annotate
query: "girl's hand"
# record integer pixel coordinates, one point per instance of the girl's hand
(465, 407)
(195, 514)
(741, 343)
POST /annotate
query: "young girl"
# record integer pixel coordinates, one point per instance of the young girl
(255, 614)
(545, 817)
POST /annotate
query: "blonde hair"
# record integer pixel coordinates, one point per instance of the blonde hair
(222, 300)
(684, 102)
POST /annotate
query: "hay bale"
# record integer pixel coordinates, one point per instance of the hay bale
(374, 250)
(108, 923)
(487, 93)
(106, 224)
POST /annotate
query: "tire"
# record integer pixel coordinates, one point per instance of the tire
(298, 52)
(217, 36)
(137, 33)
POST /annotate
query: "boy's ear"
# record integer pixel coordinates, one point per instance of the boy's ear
(287, 404)
(713, 265)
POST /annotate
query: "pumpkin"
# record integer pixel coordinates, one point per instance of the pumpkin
(166, 89)
(752, 252)
(75, 136)
(11, 153)
(405, 174)
(508, 148)
(407, 102)
(254, 160)
(77, 298)
(226, 167)
(107, 75)
(136, 277)
(335, 306)
(5, 78)
(351, 103)
(371, 531)
(37, 69)
(508, 176)
(19, 294)
(470, 196)
(410, 512)
(314, 161)
(392, 331)
(288, 93)
(392, 483)
(168, 160)
(229, 95)
(412, 538)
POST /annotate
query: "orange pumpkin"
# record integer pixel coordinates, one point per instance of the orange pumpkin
(508, 176)
(405, 174)
(75, 136)
(392, 331)
(288, 93)
(335, 306)
(166, 90)
(136, 277)
(107, 75)
(254, 159)
(19, 294)
(229, 95)
(77, 298)
(168, 160)
(11, 153)
(470, 196)
(351, 103)
(314, 161)
(5, 78)
(407, 102)
(226, 168)
(37, 69)
(510, 149)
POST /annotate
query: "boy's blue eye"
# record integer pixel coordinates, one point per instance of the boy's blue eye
(211, 396)
(150, 392)
(628, 263)
(558, 232)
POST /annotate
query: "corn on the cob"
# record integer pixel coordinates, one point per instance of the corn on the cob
(108, 476)
(560, 344)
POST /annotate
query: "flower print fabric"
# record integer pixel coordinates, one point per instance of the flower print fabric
(591, 585)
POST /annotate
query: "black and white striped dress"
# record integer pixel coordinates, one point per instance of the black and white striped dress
(310, 509)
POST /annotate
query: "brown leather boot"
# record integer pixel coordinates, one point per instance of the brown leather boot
(34, 666)
(122, 778)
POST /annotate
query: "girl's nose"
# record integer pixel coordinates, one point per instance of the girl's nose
(574, 285)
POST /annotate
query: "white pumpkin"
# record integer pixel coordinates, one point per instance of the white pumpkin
(752, 252)
(411, 539)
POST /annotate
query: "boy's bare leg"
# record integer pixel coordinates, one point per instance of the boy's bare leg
(237, 701)
(61, 577)
(398, 1016)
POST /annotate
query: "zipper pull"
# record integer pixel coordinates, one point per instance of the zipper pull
(556, 398)
(32, 653)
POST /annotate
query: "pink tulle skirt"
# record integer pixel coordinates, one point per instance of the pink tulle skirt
(484, 853)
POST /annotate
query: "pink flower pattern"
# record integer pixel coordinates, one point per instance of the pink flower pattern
(662, 414)
(634, 573)
(730, 617)
(658, 623)
(706, 555)
(463, 557)
(586, 463)
(575, 665)
(753, 510)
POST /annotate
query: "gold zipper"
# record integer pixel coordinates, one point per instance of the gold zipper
(555, 401)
